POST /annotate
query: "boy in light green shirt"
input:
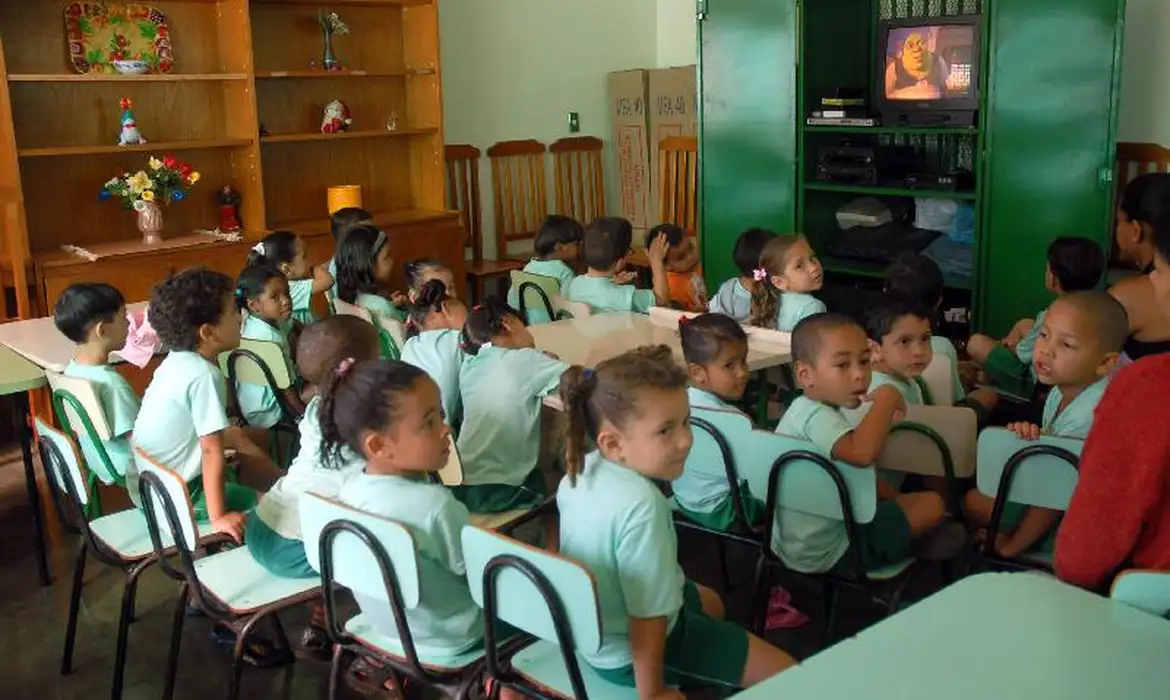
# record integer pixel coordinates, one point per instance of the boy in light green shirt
(94, 317)
(607, 243)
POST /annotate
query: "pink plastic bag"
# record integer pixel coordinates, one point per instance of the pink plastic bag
(141, 342)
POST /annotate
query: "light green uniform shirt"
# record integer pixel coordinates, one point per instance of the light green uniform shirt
(1076, 419)
(185, 401)
(301, 292)
(447, 621)
(601, 294)
(910, 390)
(941, 346)
(794, 308)
(703, 485)
(258, 403)
(379, 306)
(438, 354)
(808, 543)
(732, 300)
(1027, 345)
(618, 524)
(502, 389)
(280, 507)
(120, 406)
(556, 269)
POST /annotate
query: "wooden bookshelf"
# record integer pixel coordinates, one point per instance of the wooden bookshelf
(238, 65)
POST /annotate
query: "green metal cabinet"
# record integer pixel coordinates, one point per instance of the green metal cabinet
(747, 88)
(1050, 132)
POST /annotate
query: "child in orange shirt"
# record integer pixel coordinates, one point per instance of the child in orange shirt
(684, 274)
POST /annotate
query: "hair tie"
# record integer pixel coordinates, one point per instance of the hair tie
(258, 248)
(240, 293)
(759, 274)
(409, 323)
(485, 345)
(345, 366)
(477, 307)
(589, 374)
(685, 320)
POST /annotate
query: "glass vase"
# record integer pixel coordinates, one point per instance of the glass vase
(150, 222)
(328, 60)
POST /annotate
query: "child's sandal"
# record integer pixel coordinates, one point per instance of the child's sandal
(314, 644)
(258, 652)
(369, 680)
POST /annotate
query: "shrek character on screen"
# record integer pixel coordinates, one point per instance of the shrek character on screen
(916, 73)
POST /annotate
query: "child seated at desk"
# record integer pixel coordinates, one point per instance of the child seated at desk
(1078, 344)
(263, 292)
(340, 222)
(183, 422)
(422, 270)
(607, 243)
(684, 274)
(788, 273)
(715, 349)
(558, 247)
(94, 317)
(832, 365)
(285, 251)
(365, 269)
(734, 297)
(1074, 265)
(433, 342)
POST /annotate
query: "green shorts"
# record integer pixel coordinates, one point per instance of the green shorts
(723, 517)
(1013, 515)
(279, 555)
(700, 651)
(500, 498)
(240, 499)
(886, 540)
(1009, 373)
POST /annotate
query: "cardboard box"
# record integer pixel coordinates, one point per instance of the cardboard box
(630, 118)
(674, 111)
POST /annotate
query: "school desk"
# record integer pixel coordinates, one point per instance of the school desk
(589, 340)
(18, 376)
(1006, 636)
(39, 341)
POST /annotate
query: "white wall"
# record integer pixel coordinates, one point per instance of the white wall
(513, 69)
(677, 40)
(1145, 77)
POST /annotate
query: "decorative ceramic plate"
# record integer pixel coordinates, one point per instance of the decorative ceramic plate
(101, 33)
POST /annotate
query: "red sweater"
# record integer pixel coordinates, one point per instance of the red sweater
(1119, 515)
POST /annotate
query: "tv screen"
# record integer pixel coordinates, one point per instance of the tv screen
(931, 62)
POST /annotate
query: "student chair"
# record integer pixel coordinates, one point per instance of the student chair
(1144, 589)
(376, 559)
(934, 441)
(1048, 481)
(550, 597)
(451, 476)
(331, 302)
(936, 382)
(391, 350)
(79, 411)
(263, 363)
(229, 586)
(534, 293)
(577, 169)
(119, 540)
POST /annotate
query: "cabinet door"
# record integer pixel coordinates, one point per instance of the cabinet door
(1051, 125)
(747, 138)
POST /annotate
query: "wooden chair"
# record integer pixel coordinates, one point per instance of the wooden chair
(463, 195)
(519, 197)
(1048, 481)
(1143, 589)
(1135, 159)
(678, 182)
(577, 170)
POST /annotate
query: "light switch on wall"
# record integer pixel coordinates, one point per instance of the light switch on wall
(574, 122)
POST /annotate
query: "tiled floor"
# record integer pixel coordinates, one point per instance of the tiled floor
(34, 619)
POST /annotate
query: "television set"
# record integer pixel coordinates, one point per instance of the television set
(928, 71)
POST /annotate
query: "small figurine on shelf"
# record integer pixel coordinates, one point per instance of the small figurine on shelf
(330, 24)
(130, 135)
(336, 118)
(392, 122)
(229, 208)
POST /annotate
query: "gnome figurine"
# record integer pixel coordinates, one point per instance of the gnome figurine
(336, 118)
(130, 135)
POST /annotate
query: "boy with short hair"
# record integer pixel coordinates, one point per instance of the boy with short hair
(94, 317)
(1078, 344)
(900, 342)
(607, 243)
(832, 355)
(557, 246)
(1074, 265)
(734, 297)
(684, 274)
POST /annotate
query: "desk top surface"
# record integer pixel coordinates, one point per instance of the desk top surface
(1008, 636)
(589, 340)
(39, 341)
(18, 374)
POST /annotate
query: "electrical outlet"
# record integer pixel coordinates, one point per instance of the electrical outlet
(574, 122)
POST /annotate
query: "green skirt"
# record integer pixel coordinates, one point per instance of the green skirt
(500, 498)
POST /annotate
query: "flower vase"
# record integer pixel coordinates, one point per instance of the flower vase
(150, 222)
(328, 60)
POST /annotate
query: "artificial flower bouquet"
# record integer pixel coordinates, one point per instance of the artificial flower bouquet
(166, 181)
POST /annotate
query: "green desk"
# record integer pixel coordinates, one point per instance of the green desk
(1002, 636)
(18, 376)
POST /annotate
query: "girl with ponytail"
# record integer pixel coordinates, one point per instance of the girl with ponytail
(285, 251)
(433, 324)
(788, 274)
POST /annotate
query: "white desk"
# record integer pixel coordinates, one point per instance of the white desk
(39, 341)
(588, 341)
(1003, 636)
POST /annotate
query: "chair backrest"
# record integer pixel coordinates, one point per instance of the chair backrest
(533, 293)
(579, 183)
(519, 192)
(1134, 159)
(1049, 479)
(85, 394)
(344, 308)
(913, 448)
(394, 329)
(678, 177)
(63, 468)
(937, 377)
(571, 589)
(259, 362)
(174, 494)
(452, 473)
(1143, 589)
(354, 562)
(463, 194)
(576, 309)
(391, 347)
(803, 484)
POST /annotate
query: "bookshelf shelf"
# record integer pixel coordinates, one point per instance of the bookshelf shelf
(106, 78)
(154, 147)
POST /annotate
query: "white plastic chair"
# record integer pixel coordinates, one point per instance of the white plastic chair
(390, 332)
(1146, 590)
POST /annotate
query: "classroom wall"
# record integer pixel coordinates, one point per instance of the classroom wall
(1145, 77)
(677, 33)
(513, 69)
